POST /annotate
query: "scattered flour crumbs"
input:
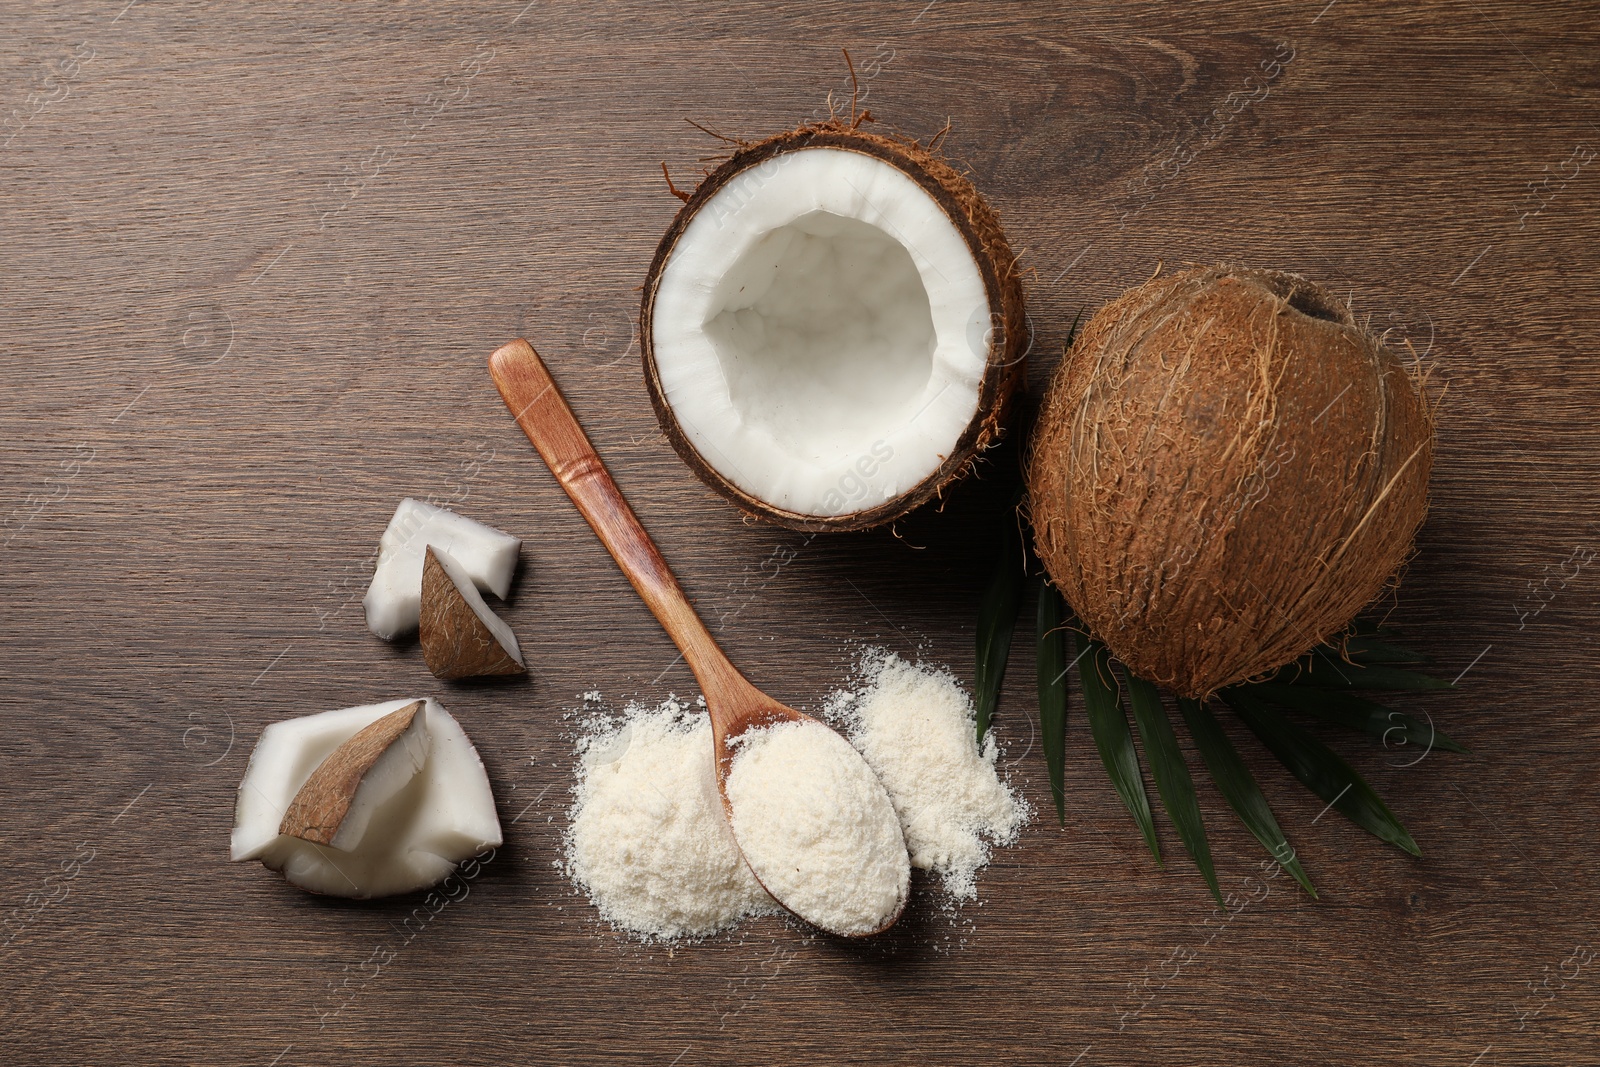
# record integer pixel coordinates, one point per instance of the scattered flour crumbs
(648, 843)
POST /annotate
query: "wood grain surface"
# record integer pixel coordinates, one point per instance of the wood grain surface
(253, 259)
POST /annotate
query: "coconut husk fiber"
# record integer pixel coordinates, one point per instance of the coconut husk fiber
(1225, 470)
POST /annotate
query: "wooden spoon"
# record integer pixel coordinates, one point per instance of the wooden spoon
(734, 704)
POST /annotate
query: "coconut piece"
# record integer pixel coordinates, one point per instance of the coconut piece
(832, 327)
(335, 805)
(394, 599)
(444, 814)
(1226, 469)
(461, 637)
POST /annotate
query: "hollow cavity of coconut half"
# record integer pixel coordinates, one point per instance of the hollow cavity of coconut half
(832, 327)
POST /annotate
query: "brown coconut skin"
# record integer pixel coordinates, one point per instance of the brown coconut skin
(978, 225)
(318, 809)
(455, 642)
(1225, 470)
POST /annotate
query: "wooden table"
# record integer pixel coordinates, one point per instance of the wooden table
(253, 259)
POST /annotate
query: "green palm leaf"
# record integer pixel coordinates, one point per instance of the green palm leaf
(1171, 773)
(1328, 671)
(1323, 772)
(997, 619)
(1053, 667)
(1108, 725)
(1323, 683)
(1357, 713)
(1238, 786)
(1368, 650)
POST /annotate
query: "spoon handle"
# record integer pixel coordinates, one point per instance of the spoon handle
(536, 402)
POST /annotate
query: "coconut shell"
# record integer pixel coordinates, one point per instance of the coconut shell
(1225, 470)
(455, 642)
(978, 225)
(320, 806)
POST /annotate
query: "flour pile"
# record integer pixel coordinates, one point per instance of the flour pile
(916, 728)
(648, 842)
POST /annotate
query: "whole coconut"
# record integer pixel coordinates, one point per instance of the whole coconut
(1226, 469)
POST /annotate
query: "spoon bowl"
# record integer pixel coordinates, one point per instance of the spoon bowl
(734, 704)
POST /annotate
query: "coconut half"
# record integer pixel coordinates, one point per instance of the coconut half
(441, 813)
(831, 327)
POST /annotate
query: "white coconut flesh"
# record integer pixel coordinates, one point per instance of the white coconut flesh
(393, 601)
(440, 814)
(821, 331)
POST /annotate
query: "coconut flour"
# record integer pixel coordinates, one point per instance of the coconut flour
(648, 843)
(647, 840)
(915, 726)
(816, 826)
